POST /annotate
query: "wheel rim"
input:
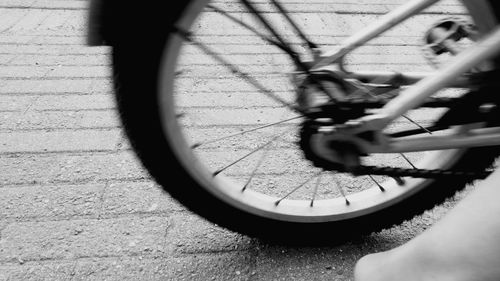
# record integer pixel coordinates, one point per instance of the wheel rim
(298, 202)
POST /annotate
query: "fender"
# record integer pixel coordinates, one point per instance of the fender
(112, 22)
(95, 33)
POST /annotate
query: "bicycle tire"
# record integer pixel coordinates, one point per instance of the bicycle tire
(136, 80)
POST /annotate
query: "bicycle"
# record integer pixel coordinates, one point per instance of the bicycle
(279, 137)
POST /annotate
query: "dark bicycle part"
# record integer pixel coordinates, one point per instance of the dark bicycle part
(480, 105)
(443, 36)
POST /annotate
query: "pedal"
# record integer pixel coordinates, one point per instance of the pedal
(446, 37)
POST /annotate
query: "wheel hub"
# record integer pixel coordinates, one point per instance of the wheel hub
(324, 112)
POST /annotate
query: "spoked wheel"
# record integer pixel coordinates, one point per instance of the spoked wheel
(224, 113)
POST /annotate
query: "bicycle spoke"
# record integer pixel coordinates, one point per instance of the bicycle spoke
(408, 160)
(417, 131)
(341, 190)
(280, 45)
(368, 92)
(315, 191)
(399, 181)
(293, 55)
(247, 155)
(376, 182)
(196, 145)
(416, 124)
(187, 36)
(258, 15)
(383, 81)
(259, 163)
(297, 188)
(312, 46)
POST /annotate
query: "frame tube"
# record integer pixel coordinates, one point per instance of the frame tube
(473, 138)
(380, 26)
(415, 95)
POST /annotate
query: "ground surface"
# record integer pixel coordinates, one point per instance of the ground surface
(75, 203)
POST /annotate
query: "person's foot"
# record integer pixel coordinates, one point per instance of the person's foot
(385, 266)
(410, 263)
(464, 245)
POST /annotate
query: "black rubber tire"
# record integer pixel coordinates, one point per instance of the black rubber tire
(136, 67)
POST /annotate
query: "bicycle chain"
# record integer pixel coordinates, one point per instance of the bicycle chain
(418, 173)
(386, 170)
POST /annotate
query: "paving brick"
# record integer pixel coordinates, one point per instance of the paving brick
(49, 72)
(3, 224)
(218, 266)
(83, 238)
(4, 59)
(58, 40)
(51, 120)
(28, 202)
(39, 40)
(80, 71)
(56, 86)
(84, 140)
(37, 271)
(191, 234)
(46, 22)
(52, 50)
(126, 268)
(69, 167)
(45, 4)
(56, 59)
(326, 263)
(9, 17)
(57, 102)
(228, 85)
(30, 21)
(137, 197)
(24, 72)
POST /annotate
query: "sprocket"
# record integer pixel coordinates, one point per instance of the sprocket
(310, 138)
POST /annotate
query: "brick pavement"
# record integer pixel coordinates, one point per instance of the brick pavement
(74, 202)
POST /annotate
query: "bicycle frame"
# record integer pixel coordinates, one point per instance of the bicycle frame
(424, 87)
(380, 26)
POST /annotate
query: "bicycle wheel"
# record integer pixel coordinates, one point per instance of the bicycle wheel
(213, 115)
